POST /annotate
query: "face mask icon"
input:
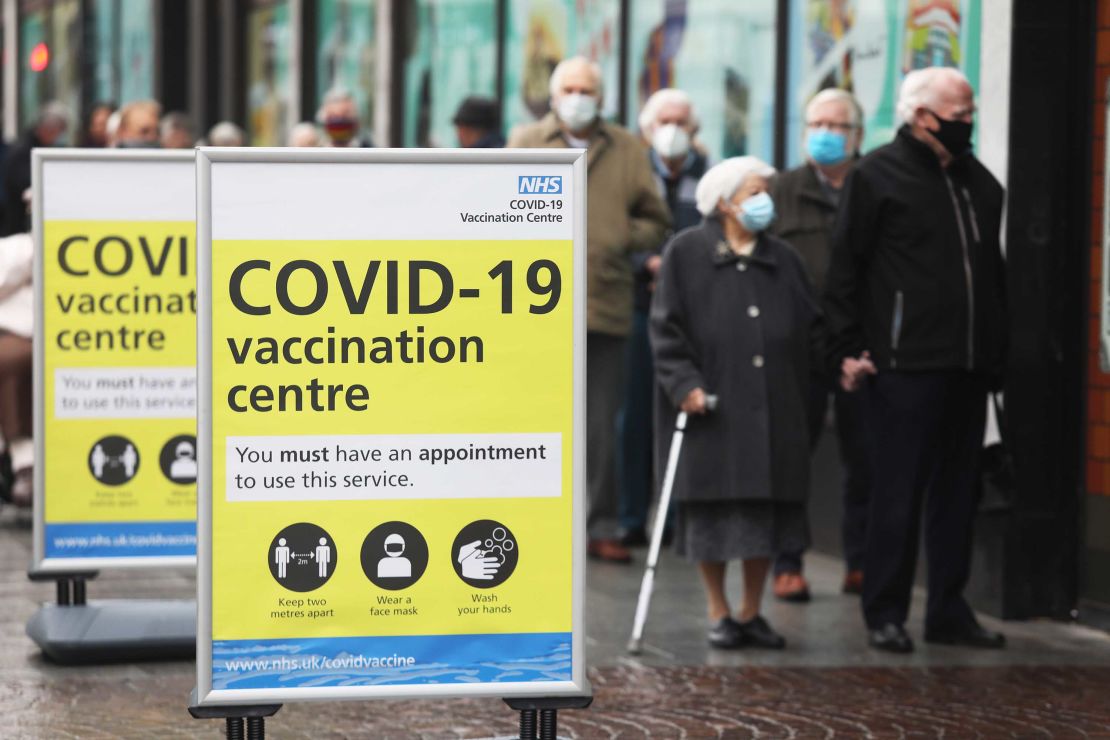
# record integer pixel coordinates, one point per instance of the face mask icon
(394, 564)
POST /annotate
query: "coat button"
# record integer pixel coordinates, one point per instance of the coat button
(741, 266)
(757, 361)
(753, 311)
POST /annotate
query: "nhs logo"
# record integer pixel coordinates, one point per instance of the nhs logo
(539, 184)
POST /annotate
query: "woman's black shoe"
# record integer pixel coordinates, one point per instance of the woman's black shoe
(757, 633)
(726, 634)
(892, 638)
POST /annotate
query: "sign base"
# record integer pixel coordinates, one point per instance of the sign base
(243, 721)
(539, 717)
(113, 631)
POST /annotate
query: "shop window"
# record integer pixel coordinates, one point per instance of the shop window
(346, 53)
(122, 43)
(50, 51)
(269, 71)
(451, 53)
(867, 47)
(722, 53)
(541, 33)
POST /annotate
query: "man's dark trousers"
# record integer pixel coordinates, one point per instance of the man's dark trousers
(927, 433)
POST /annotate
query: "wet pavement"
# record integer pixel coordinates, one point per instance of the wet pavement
(1052, 681)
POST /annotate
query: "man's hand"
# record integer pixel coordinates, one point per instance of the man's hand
(694, 403)
(854, 370)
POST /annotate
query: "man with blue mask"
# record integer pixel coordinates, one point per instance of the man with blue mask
(807, 197)
(625, 216)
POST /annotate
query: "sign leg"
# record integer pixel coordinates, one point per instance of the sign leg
(549, 724)
(527, 724)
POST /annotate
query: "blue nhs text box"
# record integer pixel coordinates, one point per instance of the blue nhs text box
(539, 184)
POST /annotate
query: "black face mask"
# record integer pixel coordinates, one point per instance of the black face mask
(955, 136)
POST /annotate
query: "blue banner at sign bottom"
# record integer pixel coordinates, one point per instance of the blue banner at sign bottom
(389, 661)
(121, 539)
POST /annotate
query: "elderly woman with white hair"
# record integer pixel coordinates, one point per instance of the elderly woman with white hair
(732, 316)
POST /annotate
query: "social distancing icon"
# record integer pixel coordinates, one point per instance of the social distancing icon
(114, 460)
(302, 557)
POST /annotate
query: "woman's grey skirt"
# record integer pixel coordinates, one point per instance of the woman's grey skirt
(739, 530)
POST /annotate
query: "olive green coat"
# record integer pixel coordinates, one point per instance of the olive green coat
(624, 214)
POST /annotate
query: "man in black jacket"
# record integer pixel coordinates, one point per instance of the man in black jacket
(915, 306)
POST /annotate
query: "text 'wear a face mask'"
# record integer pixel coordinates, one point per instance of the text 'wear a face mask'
(756, 213)
(826, 147)
(577, 111)
(670, 141)
(954, 135)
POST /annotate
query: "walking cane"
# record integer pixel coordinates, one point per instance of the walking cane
(646, 586)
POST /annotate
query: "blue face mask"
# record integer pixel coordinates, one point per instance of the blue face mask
(757, 212)
(826, 147)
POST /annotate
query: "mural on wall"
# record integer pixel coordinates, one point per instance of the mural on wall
(346, 52)
(451, 54)
(268, 58)
(541, 33)
(867, 47)
(678, 43)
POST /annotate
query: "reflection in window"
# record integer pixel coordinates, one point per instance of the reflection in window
(345, 53)
(867, 47)
(541, 33)
(722, 53)
(121, 38)
(269, 51)
(50, 46)
(452, 53)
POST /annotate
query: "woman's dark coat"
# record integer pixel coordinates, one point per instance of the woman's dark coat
(739, 328)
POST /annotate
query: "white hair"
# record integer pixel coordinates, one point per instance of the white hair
(919, 89)
(54, 114)
(658, 100)
(225, 133)
(303, 134)
(835, 94)
(723, 180)
(557, 74)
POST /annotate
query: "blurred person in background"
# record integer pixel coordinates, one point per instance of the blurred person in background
(916, 308)
(478, 123)
(49, 129)
(668, 125)
(806, 199)
(95, 135)
(226, 133)
(304, 134)
(338, 116)
(733, 315)
(625, 215)
(139, 125)
(16, 330)
(177, 131)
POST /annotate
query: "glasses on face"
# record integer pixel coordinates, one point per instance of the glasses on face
(843, 128)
